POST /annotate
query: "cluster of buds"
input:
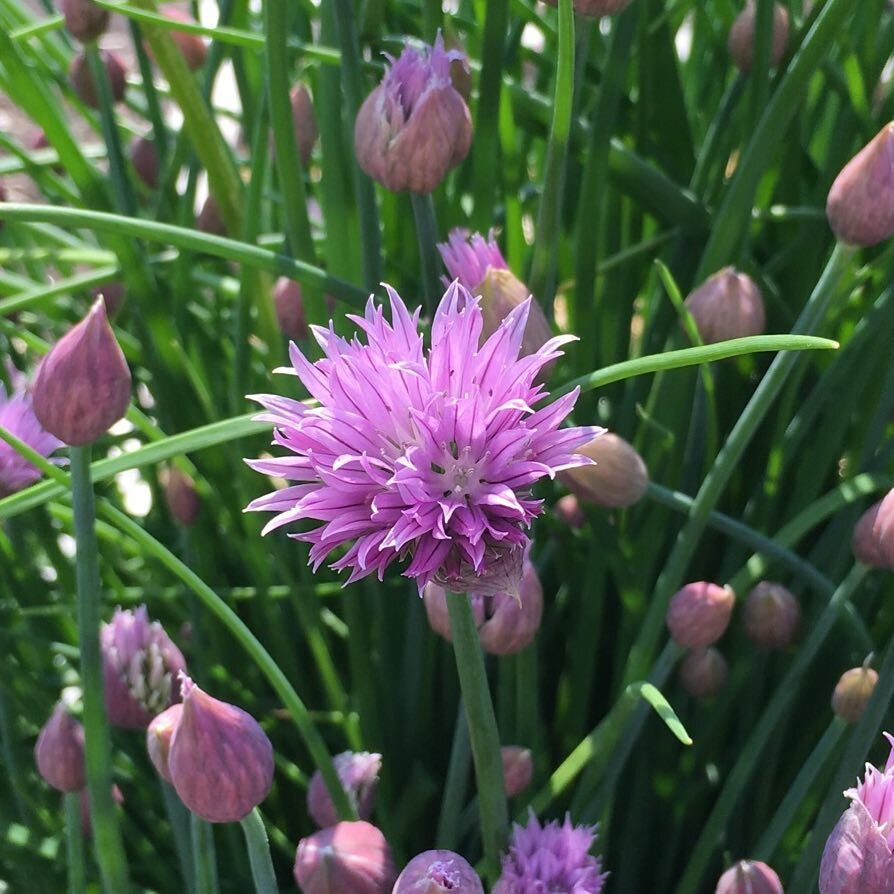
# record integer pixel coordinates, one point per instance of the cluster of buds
(617, 477)
(873, 538)
(749, 877)
(741, 36)
(727, 305)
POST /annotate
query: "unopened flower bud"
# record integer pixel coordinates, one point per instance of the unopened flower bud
(863, 543)
(84, 804)
(749, 877)
(414, 127)
(772, 615)
(112, 293)
(347, 858)
(304, 122)
(181, 496)
(85, 87)
(210, 220)
(852, 693)
(192, 46)
(140, 668)
(59, 751)
(860, 205)
(741, 36)
(84, 20)
(289, 306)
(220, 760)
(595, 8)
(618, 477)
(703, 672)
(82, 387)
(158, 738)
(518, 769)
(727, 305)
(144, 156)
(4, 197)
(438, 872)
(883, 529)
(699, 614)
(358, 773)
(568, 509)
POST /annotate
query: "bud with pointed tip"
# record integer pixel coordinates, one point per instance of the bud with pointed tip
(617, 478)
(347, 858)
(289, 306)
(852, 693)
(158, 738)
(220, 760)
(772, 615)
(84, 20)
(358, 773)
(860, 205)
(741, 36)
(144, 156)
(192, 46)
(568, 509)
(84, 804)
(703, 672)
(112, 293)
(304, 122)
(699, 614)
(59, 751)
(749, 877)
(438, 872)
(414, 127)
(181, 496)
(727, 305)
(82, 82)
(518, 769)
(82, 386)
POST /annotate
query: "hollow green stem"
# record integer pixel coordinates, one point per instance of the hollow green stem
(259, 853)
(98, 746)
(427, 236)
(455, 784)
(483, 732)
(74, 844)
(204, 860)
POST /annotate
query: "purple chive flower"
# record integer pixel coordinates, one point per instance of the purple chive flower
(551, 858)
(859, 855)
(425, 457)
(469, 256)
(17, 417)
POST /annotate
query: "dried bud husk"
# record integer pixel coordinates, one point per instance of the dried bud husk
(727, 305)
(289, 306)
(772, 615)
(568, 509)
(741, 36)
(617, 478)
(82, 387)
(144, 156)
(749, 877)
(437, 872)
(59, 751)
(595, 8)
(860, 205)
(220, 760)
(84, 86)
(699, 614)
(304, 121)
(192, 46)
(158, 738)
(210, 220)
(703, 672)
(347, 858)
(358, 773)
(518, 769)
(181, 496)
(84, 20)
(852, 693)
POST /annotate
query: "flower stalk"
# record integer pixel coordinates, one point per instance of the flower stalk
(259, 853)
(74, 844)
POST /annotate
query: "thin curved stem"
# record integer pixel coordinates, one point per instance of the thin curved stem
(259, 853)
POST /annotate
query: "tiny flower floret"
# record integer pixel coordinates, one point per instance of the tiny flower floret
(17, 417)
(421, 456)
(876, 793)
(467, 256)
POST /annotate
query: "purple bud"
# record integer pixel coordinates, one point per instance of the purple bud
(617, 477)
(112, 294)
(568, 509)
(59, 751)
(84, 20)
(703, 673)
(304, 121)
(883, 529)
(181, 496)
(144, 156)
(741, 36)
(699, 614)
(4, 197)
(358, 773)
(210, 219)
(437, 872)
(192, 46)
(595, 8)
(749, 877)
(220, 760)
(82, 79)
(772, 615)
(82, 386)
(347, 858)
(158, 738)
(289, 307)
(865, 547)
(140, 668)
(414, 127)
(84, 803)
(518, 769)
(727, 305)
(852, 693)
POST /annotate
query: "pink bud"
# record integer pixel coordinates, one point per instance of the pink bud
(59, 751)
(741, 36)
(772, 615)
(112, 294)
(181, 496)
(304, 121)
(568, 510)
(518, 769)
(84, 803)
(595, 8)
(358, 773)
(158, 738)
(863, 543)
(144, 156)
(347, 858)
(727, 305)
(289, 307)
(852, 693)
(703, 673)
(699, 614)
(82, 386)
(220, 760)
(84, 20)
(883, 529)
(210, 219)
(617, 478)
(436, 872)
(749, 877)
(82, 80)
(192, 46)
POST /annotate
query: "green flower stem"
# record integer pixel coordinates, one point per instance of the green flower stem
(546, 246)
(74, 844)
(259, 853)
(427, 236)
(98, 746)
(483, 732)
(204, 859)
(178, 818)
(455, 784)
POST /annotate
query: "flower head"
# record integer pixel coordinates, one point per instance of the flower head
(550, 858)
(358, 772)
(437, 872)
(425, 457)
(17, 417)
